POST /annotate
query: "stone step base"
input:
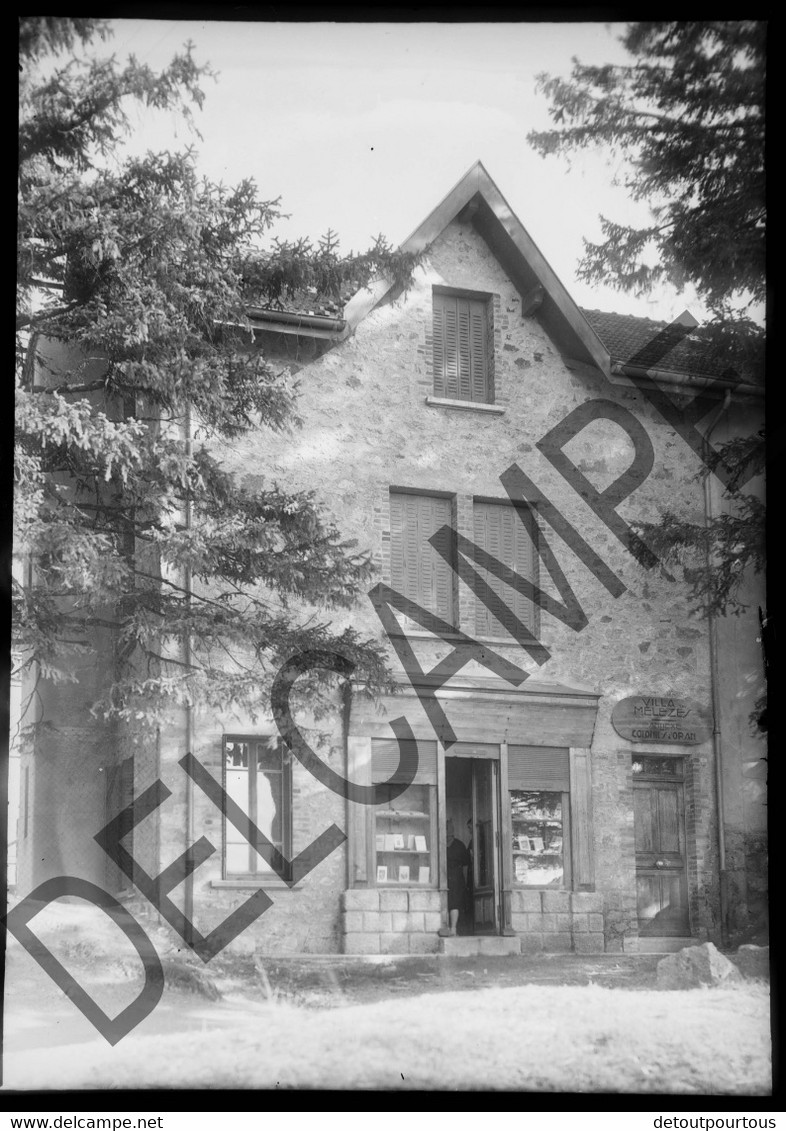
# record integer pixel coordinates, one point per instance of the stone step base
(463, 945)
(664, 944)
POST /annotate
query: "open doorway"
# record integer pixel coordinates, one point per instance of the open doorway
(472, 804)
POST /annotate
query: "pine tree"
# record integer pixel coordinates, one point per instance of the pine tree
(134, 280)
(687, 117)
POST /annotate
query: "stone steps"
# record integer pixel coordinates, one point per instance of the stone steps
(464, 945)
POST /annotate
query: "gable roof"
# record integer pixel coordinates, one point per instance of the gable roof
(584, 337)
(476, 197)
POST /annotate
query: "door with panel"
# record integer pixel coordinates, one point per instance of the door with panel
(659, 823)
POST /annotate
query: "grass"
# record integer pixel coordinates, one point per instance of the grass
(531, 1038)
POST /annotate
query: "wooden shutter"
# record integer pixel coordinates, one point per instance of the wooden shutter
(581, 820)
(460, 348)
(500, 531)
(539, 767)
(385, 757)
(416, 570)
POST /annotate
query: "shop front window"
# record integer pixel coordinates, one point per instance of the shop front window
(404, 823)
(538, 819)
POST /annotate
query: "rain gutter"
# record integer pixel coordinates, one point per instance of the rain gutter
(670, 377)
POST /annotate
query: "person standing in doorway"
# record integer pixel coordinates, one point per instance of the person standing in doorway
(469, 903)
(457, 859)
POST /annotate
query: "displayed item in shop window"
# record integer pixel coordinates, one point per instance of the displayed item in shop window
(420, 844)
(424, 875)
(403, 873)
(382, 874)
(398, 842)
(380, 842)
(390, 843)
(411, 842)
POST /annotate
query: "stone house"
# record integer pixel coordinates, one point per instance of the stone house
(582, 728)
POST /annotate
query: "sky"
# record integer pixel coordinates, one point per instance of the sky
(365, 127)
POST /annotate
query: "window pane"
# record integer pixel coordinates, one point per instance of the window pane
(405, 839)
(536, 820)
(237, 859)
(265, 796)
(655, 766)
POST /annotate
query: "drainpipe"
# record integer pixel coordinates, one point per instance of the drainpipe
(188, 902)
(716, 706)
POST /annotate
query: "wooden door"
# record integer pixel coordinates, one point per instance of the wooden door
(485, 845)
(661, 878)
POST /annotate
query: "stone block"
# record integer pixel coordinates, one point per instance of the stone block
(534, 923)
(586, 901)
(596, 922)
(423, 944)
(392, 901)
(558, 941)
(519, 923)
(694, 966)
(531, 901)
(353, 921)
(415, 922)
(424, 901)
(371, 921)
(361, 899)
(630, 944)
(753, 961)
(580, 924)
(548, 923)
(556, 901)
(385, 921)
(531, 943)
(394, 942)
(364, 943)
(399, 920)
(588, 944)
(516, 902)
(432, 920)
(564, 922)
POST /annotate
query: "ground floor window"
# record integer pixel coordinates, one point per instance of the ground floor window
(538, 838)
(539, 799)
(405, 831)
(258, 777)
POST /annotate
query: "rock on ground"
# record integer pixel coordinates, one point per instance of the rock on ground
(694, 966)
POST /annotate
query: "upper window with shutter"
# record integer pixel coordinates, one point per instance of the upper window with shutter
(416, 569)
(462, 338)
(503, 531)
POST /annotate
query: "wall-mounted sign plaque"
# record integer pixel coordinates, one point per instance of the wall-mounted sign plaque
(658, 718)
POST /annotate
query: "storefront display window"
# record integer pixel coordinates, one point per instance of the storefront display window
(404, 834)
(538, 819)
(404, 839)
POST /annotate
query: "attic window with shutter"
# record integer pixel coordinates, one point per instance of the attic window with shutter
(462, 347)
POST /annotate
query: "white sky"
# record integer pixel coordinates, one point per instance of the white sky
(365, 127)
